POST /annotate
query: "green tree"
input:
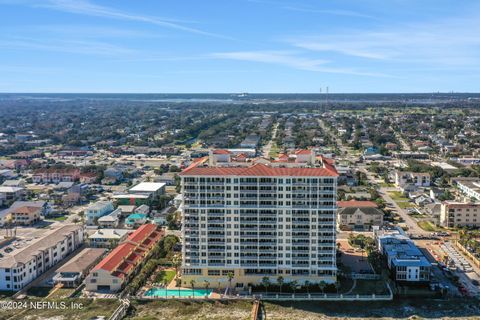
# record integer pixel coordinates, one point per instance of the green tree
(230, 276)
(266, 283)
(280, 282)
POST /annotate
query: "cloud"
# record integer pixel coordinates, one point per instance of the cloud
(309, 9)
(291, 59)
(449, 42)
(68, 46)
(345, 13)
(85, 7)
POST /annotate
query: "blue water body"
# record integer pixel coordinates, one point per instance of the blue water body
(239, 98)
(160, 292)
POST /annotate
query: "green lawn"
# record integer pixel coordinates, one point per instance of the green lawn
(61, 294)
(404, 204)
(165, 276)
(397, 195)
(427, 226)
(402, 201)
(274, 151)
(61, 218)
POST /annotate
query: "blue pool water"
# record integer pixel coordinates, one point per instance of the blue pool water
(159, 292)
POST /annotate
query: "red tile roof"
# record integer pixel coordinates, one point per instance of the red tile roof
(356, 204)
(115, 258)
(127, 255)
(259, 170)
(142, 233)
(221, 151)
(304, 151)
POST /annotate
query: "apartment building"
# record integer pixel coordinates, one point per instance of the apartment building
(123, 262)
(55, 175)
(417, 179)
(470, 187)
(405, 261)
(23, 260)
(358, 215)
(255, 220)
(459, 214)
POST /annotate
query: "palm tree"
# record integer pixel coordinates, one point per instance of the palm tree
(322, 286)
(207, 284)
(176, 261)
(280, 282)
(307, 285)
(294, 285)
(266, 283)
(192, 283)
(230, 276)
(179, 284)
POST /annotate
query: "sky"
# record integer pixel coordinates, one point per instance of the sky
(210, 46)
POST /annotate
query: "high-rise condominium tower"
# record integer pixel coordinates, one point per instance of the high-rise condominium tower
(255, 219)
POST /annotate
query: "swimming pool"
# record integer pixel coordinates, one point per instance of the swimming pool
(160, 292)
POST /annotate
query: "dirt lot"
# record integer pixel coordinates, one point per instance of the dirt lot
(352, 258)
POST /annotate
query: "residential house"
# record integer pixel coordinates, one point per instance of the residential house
(97, 210)
(10, 194)
(74, 271)
(135, 220)
(88, 177)
(410, 181)
(112, 175)
(358, 215)
(107, 238)
(110, 220)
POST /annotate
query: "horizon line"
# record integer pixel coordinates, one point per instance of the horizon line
(244, 92)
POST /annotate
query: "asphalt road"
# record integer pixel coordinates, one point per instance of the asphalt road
(412, 225)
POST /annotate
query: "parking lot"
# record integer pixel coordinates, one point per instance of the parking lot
(451, 264)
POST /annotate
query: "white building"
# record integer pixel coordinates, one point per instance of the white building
(405, 261)
(417, 179)
(258, 221)
(25, 260)
(459, 214)
(110, 220)
(469, 187)
(10, 194)
(106, 238)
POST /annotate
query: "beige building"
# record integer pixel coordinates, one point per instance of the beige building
(358, 215)
(258, 220)
(459, 214)
(25, 215)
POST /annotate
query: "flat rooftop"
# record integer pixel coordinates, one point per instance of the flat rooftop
(83, 260)
(21, 250)
(147, 187)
